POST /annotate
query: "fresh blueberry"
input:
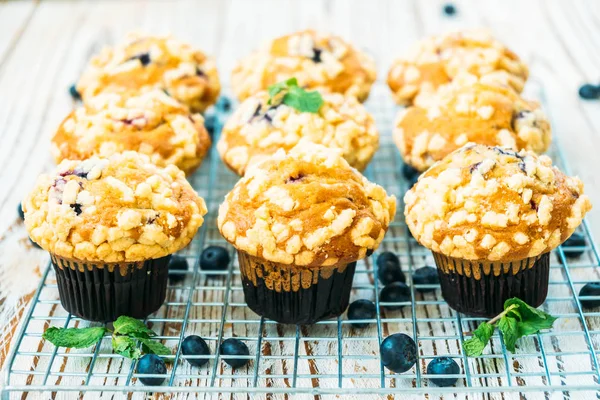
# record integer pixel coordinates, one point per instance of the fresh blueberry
(74, 93)
(590, 289)
(589, 92)
(151, 364)
(425, 276)
(20, 212)
(234, 347)
(449, 9)
(224, 104)
(443, 366)
(388, 268)
(361, 309)
(398, 352)
(194, 345)
(409, 172)
(210, 123)
(214, 258)
(575, 240)
(395, 292)
(178, 265)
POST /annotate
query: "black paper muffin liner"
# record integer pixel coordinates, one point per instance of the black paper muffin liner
(295, 295)
(104, 291)
(480, 289)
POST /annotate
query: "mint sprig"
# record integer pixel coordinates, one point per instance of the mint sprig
(127, 335)
(289, 93)
(517, 320)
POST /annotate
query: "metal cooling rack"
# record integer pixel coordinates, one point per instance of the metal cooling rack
(329, 357)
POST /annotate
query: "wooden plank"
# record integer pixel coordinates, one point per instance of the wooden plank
(14, 18)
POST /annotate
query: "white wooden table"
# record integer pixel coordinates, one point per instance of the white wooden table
(45, 44)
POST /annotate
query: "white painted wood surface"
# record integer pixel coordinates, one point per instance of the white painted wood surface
(44, 46)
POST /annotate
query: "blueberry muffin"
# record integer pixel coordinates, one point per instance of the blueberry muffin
(437, 60)
(316, 59)
(150, 123)
(144, 62)
(478, 113)
(491, 217)
(300, 220)
(258, 128)
(110, 226)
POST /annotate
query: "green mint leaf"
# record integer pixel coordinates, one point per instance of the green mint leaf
(295, 96)
(303, 101)
(481, 336)
(78, 338)
(510, 332)
(279, 87)
(126, 346)
(127, 326)
(152, 346)
(532, 319)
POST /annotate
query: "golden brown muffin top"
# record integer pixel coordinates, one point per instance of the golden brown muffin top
(490, 203)
(144, 62)
(151, 123)
(315, 59)
(477, 113)
(306, 207)
(122, 208)
(257, 130)
(437, 60)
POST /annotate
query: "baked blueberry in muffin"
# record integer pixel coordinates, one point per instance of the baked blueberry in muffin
(144, 62)
(491, 217)
(315, 59)
(150, 123)
(437, 60)
(300, 220)
(110, 226)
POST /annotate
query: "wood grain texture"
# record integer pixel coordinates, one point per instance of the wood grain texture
(45, 45)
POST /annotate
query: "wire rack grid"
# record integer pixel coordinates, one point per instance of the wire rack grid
(330, 357)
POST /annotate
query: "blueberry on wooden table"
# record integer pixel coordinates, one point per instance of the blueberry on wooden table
(194, 345)
(361, 310)
(388, 268)
(395, 292)
(178, 265)
(224, 104)
(409, 172)
(210, 123)
(20, 212)
(214, 258)
(74, 93)
(398, 352)
(425, 276)
(234, 347)
(590, 289)
(151, 364)
(589, 92)
(449, 9)
(443, 366)
(575, 240)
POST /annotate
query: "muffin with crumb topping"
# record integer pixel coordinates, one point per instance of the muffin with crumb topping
(300, 220)
(144, 62)
(465, 112)
(316, 59)
(437, 60)
(491, 217)
(261, 126)
(110, 226)
(150, 123)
